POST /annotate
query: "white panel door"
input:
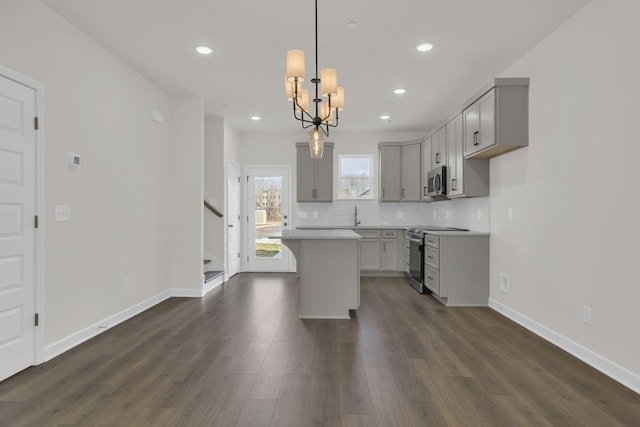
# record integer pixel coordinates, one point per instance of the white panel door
(233, 219)
(268, 212)
(17, 235)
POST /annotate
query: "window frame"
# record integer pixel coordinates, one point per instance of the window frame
(372, 195)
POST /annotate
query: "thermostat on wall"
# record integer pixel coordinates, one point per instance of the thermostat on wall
(73, 161)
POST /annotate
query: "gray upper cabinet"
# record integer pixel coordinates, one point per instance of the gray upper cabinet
(411, 172)
(426, 167)
(315, 176)
(390, 173)
(497, 122)
(400, 171)
(439, 148)
(466, 177)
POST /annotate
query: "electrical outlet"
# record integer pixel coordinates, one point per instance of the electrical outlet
(435, 214)
(479, 214)
(586, 315)
(504, 283)
(302, 214)
(315, 214)
(448, 214)
(510, 214)
(63, 213)
(126, 285)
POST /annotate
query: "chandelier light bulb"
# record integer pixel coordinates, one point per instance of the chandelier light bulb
(316, 143)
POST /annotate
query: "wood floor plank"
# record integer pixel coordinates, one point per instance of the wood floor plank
(388, 406)
(358, 420)
(242, 356)
(292, 401)
(256, 413)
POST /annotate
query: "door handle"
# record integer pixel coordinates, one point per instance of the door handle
(475, 138)
(230, 225)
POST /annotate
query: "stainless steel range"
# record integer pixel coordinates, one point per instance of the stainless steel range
(416, 259)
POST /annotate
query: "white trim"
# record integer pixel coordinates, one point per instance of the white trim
(39, 276)
(212, 284)
(608, 367)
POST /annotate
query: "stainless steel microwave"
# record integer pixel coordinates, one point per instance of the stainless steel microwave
(437, 182)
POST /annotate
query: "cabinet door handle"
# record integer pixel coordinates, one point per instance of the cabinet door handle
(403, 193)
(429, 277)
(453, 184)
(437, 158)
(430, 257)
(314, 193)
(383, 193)
(475, 138)
(424, 192)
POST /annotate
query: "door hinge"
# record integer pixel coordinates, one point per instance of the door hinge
(35, 123)
(247, 258)
(247, 178)
(238, 254)
(238, 180)
(238, 217)
(247, 218)
(35, 221)
(37, 319)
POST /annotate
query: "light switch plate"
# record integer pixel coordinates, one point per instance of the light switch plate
(63, 213)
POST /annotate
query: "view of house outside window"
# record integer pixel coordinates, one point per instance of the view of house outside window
(355, 176)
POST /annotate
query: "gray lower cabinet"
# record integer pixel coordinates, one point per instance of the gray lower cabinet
(381, 251)
(315, 176)
(370, 250)
(497, 121)
(457, 268)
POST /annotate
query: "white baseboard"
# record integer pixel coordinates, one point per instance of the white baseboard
(67, 343)
(212, 284)
(619, 373)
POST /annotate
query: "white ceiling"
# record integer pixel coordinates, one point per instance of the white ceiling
(474, 41)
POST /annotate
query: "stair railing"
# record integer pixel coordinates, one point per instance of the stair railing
(212, 209)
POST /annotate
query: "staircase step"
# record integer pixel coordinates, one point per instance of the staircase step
(210, 275)
(206, 261)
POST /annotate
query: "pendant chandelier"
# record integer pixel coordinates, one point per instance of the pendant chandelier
(322, 117)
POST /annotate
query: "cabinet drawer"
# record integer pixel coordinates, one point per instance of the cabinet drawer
(432, 279)
(432, 240)
(389, 233)
(368, 234)
(432, 257)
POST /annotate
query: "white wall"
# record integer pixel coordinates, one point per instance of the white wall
(574, 238)
(187, 193)
(121, 197)
(214, 190)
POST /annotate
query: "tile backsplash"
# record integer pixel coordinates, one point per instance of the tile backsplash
(470, 213)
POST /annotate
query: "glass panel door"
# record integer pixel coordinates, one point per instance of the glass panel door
(268, 210)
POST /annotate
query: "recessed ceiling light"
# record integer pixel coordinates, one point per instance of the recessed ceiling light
(255, 118)
(400, 91)
(204, 50)
(424, 47)
(385, 117)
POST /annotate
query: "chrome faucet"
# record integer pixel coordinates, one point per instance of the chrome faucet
(355, 218)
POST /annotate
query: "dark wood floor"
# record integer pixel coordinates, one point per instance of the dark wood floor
(241, 357)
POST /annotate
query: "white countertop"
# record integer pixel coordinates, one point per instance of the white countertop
(318, 234)
(325, 228)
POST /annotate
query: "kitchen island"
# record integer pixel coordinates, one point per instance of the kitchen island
(329, 269)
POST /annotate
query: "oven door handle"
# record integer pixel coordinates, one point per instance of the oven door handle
(419, 241)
